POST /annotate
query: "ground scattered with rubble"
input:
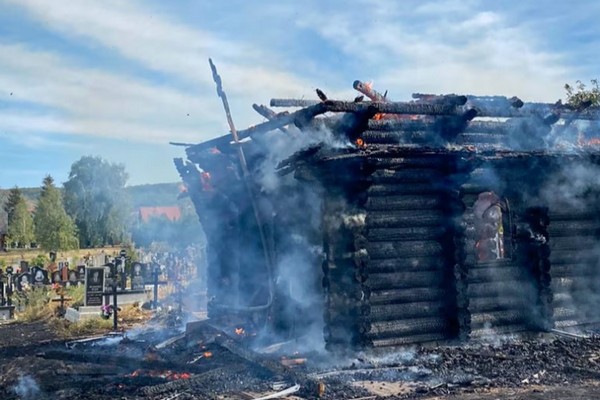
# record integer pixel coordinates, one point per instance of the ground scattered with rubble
(141, 365)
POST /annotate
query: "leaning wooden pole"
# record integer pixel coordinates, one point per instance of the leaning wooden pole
(248, 182)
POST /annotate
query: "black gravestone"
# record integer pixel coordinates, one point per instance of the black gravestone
(39, 276)
(24, 266)
(81, 272)
(73, 277)
(57, 277)
(137, 276)
(94, 286)
(23, 281)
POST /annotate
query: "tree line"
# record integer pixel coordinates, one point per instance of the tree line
(90, 211)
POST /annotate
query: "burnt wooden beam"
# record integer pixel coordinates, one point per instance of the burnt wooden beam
(368, 91)
(292, 103)
(300, 115)
(270, 115)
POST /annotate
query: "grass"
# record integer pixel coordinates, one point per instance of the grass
(14, 256)
(39, 307)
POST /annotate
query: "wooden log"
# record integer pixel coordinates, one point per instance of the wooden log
(410, 233)
(405, 219)
(574, 228)
(410, 339)
(574, 243)
(405, 327)
(495, 303)
(406, 176)
(591, 270)
(398, 280)
(387, 312)
(506, 274)
(406, 295)
(404, 202)
(505, 288)
(386, 189)
(404, 249)
(406, 265)
(576, 256)
(495, 318)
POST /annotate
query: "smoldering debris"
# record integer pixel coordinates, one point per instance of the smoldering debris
(27, 388)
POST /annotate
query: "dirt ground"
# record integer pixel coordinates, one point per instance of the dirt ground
(36, 364)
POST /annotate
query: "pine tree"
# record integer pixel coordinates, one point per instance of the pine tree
(54, 229)
(14, 197)
(20, 226)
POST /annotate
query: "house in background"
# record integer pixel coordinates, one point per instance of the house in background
(172, 213)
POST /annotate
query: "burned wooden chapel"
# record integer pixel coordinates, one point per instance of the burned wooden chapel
(443, 217)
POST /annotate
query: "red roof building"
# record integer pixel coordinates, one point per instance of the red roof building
(172, 213)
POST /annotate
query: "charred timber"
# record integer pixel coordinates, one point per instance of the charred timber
(404, 219)
(453, 99)
(406, 176)
(415, 233)
(409, 295)
(386, 189)
(406, 264)
(558, 257)
(574, 243)
(404, 249)
(407, 280)
(486, 304)
(403, 340)
(405, 327)
(300, 117)
(403, 311)
(368, 91)
(498, 289)
(403, 203)
(495, 318)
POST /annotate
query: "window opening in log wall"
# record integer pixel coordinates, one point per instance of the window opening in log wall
(492, 227)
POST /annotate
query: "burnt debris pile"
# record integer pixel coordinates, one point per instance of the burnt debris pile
(379, 223)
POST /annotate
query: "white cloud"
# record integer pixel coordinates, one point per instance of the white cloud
(442, 48)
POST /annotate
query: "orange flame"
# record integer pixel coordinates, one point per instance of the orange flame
(207, 354)
(360, 142)
(239, 331)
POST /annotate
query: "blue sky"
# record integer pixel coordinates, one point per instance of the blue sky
(120, 79)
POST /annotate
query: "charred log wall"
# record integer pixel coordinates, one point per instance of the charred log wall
(390, 263)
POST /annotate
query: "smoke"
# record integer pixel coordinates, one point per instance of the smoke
(27, 388)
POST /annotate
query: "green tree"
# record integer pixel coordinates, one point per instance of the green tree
(579, 95)
(54, 230)
(95, 198)
(14, 197)
(20, 226)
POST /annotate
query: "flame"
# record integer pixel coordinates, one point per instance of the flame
(207, 354)
(360, 142)
(205, 181)
(239, 331)
(378, 117)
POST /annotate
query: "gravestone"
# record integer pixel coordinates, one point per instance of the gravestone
(24, 266)
(57, 277)
(39, 276)
(23, 281)
(137, 276)
(94, 286)
(81, 272)
(73, 277)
